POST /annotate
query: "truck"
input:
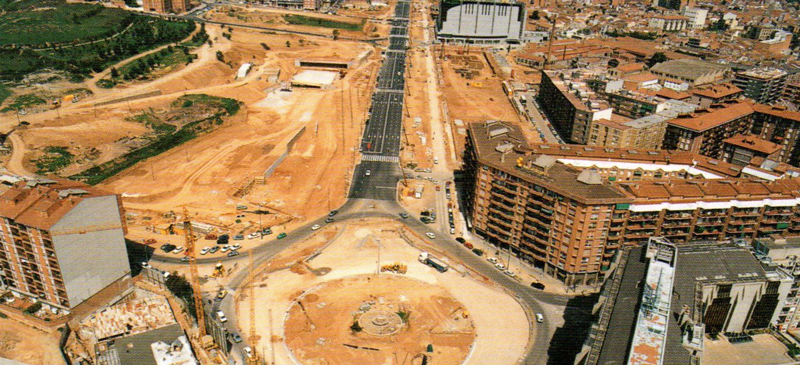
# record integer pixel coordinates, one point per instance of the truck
(432, 261)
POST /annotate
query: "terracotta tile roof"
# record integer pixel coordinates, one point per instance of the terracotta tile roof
(716, 91)
(705, 120)
(778, 111)
(672, 94)
(642, 77)
(711, 190)
(41, 205)
(754, 143)
(631, 67)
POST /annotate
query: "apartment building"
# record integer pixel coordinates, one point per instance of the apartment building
(764, 85)
(779, 125)
(705, 130)
(61, 242)
(792, 91)
(642, 133)
(668, 23)
(784, 253)
(742, 149)
(696, 17)
(706, 95)
(568, 209)
(570, 104)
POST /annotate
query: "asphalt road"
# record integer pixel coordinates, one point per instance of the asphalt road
(384, 127)
(380, 184)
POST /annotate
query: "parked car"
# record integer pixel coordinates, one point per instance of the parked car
(477, 251)
(252, 235)
(238, 237)
(492, 259)
(233, 253)
(510, 273)
(185, 259)
(367, 173)
(500, 266)
(333, 213)
(168, 247)
(145, 265)
(315, 227)
(539, 318)
(539, 286)
(266, 231)
(225, 248)
(330, 220)
(468, 245)
(403, 215)
(205, 250)
(213, 249)
(430, 235)
(236, 338)
(236, 247)
(178, 249)
(221, 316)
(282, 235)
(248, 352)
(460, 240)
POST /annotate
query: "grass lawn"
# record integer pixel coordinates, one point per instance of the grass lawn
(320, 22)
(24, 102)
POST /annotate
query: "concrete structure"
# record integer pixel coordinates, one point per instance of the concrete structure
(764, 85)
(694, 72)
(570, 105)
(480, 21)
(166, 6)
(792, 91)
(567, 209)
(643, 133)
(705, 130)
(668, 23)
(314, 78)
(163, 346)
(740, 150)
(784, 253)
(689, 291)
(696, 17)
(61, 241)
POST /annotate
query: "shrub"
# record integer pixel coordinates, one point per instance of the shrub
(33, 308)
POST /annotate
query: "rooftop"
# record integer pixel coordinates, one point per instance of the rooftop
(688, 69)
(778, 111)
(754, 143)
(763, 73)
(42, 203)
(136, 349)
(716, 91)
(714, 116)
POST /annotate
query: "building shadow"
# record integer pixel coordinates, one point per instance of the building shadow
(137, 254)
(569, 338)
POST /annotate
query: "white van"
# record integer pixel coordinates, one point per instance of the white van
(539, 318)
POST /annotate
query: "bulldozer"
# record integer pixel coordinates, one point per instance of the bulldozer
(396, 267)
(219, 270)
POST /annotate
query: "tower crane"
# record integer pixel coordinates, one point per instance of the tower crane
(253, 338)
(200, 314)
(550, 43)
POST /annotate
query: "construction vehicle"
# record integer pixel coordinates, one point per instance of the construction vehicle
(219, 270)
(433, 262)
(395, 268)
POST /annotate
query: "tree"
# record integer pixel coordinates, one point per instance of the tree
(535, 15)
(335, 34)
(288, 44)
(656, 59)
(220, 56)
(114, 73)
(180, 287)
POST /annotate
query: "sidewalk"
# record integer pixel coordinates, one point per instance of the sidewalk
(525, 271)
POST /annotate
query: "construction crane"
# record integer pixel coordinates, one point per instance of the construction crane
(193, 276)
(550, 43)
(253, 338)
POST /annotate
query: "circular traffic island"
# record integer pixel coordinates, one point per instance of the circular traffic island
(382, 319)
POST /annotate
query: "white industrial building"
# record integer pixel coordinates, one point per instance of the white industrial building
(480, 22)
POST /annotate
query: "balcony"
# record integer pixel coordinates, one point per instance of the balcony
(678, 216)
(642, 218)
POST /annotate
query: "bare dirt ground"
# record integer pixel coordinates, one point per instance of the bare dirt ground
(25, 344)
(356, 250)
(205, 173)
(434, 318)
(483, 89)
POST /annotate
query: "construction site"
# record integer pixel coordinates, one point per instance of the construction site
(356, 292)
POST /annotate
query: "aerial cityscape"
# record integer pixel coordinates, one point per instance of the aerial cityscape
(399, 182)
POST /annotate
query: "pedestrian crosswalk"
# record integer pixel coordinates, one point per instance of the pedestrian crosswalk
(380, 158)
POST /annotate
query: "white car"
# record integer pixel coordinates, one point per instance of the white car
(222, 317)
(367, 173)
(248, 352)
(430, 235)
(500, 266)
(205, 250)
(178, 249)
(236, 247)
(492, 260)
(252, 235)
(510, 273)
(315, 227)
(225, 248)
(539, 318)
